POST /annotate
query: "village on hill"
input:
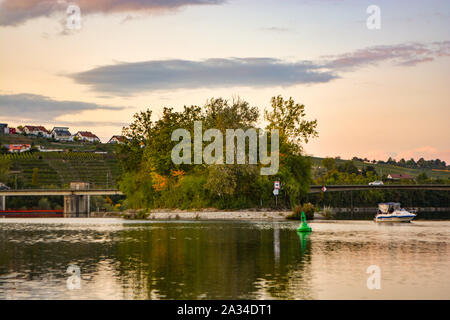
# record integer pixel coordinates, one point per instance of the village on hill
(59, 134)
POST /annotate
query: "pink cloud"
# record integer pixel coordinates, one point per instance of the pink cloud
(15, 12)
(405, 54)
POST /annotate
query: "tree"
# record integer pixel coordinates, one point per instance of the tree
(422, 177)
(289, 118)
(329, 163)
(35, 177)
(369, 169)
(348, 167)
(5, 166)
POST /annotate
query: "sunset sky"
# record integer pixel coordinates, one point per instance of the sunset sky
(375, 93)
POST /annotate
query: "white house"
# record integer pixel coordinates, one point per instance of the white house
(37, 131)
(86, 136)
(61, 134)
(117, 139)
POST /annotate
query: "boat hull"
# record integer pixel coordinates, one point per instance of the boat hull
(387, 218)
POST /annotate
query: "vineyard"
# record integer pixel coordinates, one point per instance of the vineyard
(56, 170)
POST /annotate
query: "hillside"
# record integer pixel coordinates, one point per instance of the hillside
(383, 169)
(55, 170)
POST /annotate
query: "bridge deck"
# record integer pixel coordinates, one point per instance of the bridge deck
(313, 189)
(334, 188)
(59, 192)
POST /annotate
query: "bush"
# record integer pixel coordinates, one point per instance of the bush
(44, 204)
(329, 213)
(307, 208)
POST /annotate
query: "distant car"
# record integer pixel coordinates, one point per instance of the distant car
(3, 186)
(376, 183)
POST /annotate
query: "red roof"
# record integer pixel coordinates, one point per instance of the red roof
(119, 138)
(87, 134)
(13, 147)
(36, 128)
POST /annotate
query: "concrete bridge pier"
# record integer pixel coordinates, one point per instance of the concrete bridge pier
(77, 205)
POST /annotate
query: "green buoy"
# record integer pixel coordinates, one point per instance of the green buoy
(304, 226)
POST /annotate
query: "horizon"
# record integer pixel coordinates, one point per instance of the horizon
(376, 93)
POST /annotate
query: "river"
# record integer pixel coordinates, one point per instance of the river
(117, 259)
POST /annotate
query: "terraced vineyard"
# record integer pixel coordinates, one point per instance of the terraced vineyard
(59, 169)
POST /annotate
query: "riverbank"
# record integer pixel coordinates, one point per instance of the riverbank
(262, 214)
(209, 214)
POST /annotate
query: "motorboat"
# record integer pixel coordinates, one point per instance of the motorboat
(392, 212)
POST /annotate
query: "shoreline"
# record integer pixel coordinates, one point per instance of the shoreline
(241, 215)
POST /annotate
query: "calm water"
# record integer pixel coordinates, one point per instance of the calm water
(222, 260)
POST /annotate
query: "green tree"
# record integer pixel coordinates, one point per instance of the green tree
(422, 178)
(289, 118)
(348, 167)
(329, 163)
(5, 166)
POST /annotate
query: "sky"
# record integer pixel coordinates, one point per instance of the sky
(376, 93)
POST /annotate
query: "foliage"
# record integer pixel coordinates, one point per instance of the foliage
(307, 208)
(5, 166)
(329, 163)
(152, 180)
(328, 213)
(288, 117)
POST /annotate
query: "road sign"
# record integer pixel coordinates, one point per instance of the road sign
(324, 189)
(277, 185)
(275, 192)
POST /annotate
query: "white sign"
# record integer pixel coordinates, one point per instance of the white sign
(275, 192)
(276, 185)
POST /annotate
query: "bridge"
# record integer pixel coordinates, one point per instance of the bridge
(60, 192)
(77, 199)
(335, 188)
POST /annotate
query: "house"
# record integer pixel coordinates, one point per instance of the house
(117, 139)
(42, 149)
(399, 176)
(12, 131)
(17, 148)
(4, 128)
(61, 134)
(86, 136)
(37, 131)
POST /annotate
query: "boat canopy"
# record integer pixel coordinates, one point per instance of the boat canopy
(389, 206)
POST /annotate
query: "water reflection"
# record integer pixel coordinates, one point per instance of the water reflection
(221, 260)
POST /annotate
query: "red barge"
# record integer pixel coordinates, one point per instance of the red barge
(31, 213)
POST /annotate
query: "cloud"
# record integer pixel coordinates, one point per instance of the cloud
(407, 54)
(131, 77)
(16, 12)
(36, 107)
(125, 78)
(277, 29)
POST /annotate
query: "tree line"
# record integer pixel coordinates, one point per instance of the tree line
(152, 180)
